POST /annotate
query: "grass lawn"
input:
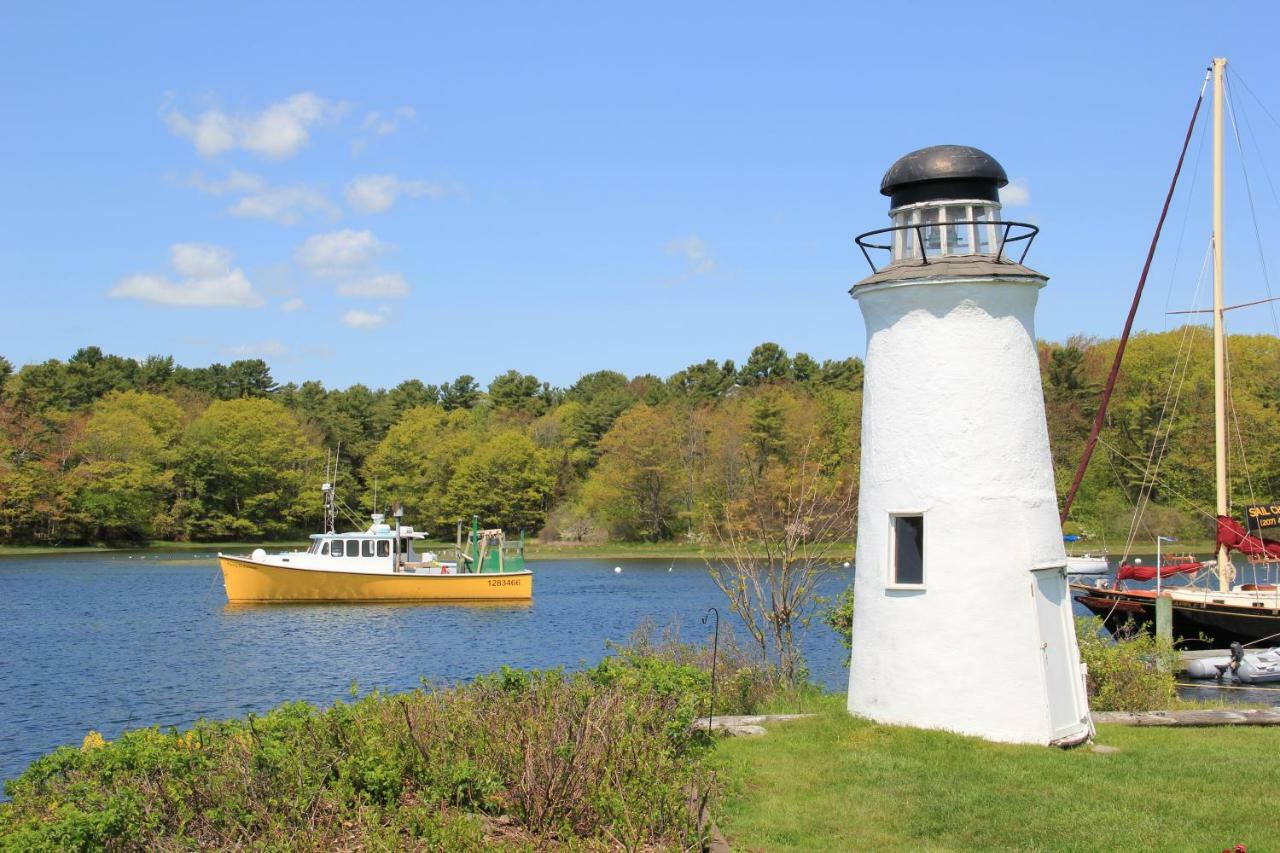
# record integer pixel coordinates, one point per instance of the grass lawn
(837, 783)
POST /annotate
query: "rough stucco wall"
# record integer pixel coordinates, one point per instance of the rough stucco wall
(954, 426)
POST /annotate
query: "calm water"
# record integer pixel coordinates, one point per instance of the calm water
(117, 641)
(111, 642)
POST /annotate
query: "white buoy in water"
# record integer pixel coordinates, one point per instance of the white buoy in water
(847, 564)
(617, 570)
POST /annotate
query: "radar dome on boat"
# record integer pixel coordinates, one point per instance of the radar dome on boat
(943, 172)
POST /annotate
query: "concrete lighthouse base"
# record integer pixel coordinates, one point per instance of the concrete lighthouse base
(980, 640)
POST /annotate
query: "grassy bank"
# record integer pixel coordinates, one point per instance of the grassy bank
(836, 783)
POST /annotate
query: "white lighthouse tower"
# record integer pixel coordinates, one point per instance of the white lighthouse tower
(962, 619)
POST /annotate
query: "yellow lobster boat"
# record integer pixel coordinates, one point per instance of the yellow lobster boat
(380, 564)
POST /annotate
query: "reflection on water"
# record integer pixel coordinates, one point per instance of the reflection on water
(114, 641)
(231, 608)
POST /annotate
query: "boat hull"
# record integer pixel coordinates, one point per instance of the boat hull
(248, 581)
(1088, 565)
(1219, 624)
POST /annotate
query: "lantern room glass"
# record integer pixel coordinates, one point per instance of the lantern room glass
(946, 229)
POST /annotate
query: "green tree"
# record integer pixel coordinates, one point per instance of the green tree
(123, 481)
(518, 392)
(506, 481)
(804, 369)
(843, 375)
(246, 470)
(602, 396)
(249, 378)
(6, 371)
(461, 393)
(637, 486)
(416, 460)
(767, 363)
(704, 381)
(90, 374)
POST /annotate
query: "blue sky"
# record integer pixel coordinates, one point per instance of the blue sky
(376, 193)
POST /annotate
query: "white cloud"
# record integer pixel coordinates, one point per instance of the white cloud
(291, 305)
(696, 252)
(377, 124)
(286, 205)
(382, 125)
(262, 349)
(209, 281)
(376, 193)
(259, 200)
(340, 253)
(363, 319)
(236, 182)
(1016, 194)
(389, 285)
(198, 260)
(278, 131)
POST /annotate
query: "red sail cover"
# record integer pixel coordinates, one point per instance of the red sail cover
(1146, 573)
(1234, 535)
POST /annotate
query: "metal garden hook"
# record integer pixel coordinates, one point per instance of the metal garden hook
(715, 649)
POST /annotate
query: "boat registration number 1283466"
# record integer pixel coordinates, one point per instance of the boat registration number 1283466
(504, 582)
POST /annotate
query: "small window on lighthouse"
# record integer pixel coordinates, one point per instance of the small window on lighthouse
(907, 550)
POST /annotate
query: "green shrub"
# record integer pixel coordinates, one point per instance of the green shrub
(838, 616)
(530, 759)
(1132, 672)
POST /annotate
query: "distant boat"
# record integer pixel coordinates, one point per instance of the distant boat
(380, 564)
(1088, 564)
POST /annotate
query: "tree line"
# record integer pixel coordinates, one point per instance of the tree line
(103, 448)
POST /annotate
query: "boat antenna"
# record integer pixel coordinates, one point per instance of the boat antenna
(330, 510)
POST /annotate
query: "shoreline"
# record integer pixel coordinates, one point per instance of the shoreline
(534, 550)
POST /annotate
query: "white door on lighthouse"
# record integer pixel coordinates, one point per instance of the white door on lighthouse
(1054, 621)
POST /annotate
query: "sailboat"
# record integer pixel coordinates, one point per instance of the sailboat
(1244, 613)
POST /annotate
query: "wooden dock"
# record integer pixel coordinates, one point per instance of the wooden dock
(1187, 719)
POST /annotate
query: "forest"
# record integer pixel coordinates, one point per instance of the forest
(106, 449)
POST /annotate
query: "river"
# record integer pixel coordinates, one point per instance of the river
(120, 640)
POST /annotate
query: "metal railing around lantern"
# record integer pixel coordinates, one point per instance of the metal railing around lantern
(1026, 233)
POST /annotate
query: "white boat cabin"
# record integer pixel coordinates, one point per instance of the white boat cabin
(381, 548)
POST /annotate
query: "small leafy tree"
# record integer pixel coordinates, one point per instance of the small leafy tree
(777, 540)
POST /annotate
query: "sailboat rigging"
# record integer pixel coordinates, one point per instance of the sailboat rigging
(1245, 613)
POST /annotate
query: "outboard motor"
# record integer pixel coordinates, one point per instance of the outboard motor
(1237, 656)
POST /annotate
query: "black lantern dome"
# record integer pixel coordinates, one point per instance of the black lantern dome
(942, 172)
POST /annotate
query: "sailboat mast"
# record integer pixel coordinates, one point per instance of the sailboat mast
(1225, 572)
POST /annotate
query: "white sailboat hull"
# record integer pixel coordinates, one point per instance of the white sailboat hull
(1088, 564)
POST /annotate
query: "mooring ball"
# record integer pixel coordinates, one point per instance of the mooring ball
(617, 570)
(259, 554)
(847, 564)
